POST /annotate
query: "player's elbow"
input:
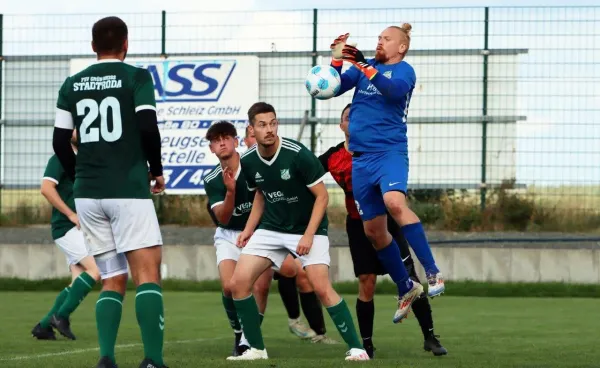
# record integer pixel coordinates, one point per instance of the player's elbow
(323, 198)
(397, 98)
(393, 90)
(395, 95)
(222, 217)
(394, 99)
(326, 200)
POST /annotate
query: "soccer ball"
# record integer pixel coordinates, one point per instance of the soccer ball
(323, 82)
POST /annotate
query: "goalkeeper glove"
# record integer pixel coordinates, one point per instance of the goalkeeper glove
(356, 57)
(337, 45)
(336, 49)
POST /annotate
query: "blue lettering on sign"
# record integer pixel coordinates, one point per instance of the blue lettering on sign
(186, 177)
(189, 81)
(198, 124)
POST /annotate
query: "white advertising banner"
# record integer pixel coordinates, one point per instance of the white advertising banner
(192, 93)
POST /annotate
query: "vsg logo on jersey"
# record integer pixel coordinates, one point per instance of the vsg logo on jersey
(273, 197)
(242, 209)
(189, 80)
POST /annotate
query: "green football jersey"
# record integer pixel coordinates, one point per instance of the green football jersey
(102, 101)
(60, 223)
(216, 191)
(284, 181)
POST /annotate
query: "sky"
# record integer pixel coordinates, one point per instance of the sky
(557, 78)
(70, 6)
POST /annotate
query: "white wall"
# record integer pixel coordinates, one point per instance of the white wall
(198, 262)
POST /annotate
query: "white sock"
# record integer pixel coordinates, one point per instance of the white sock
(243, 341)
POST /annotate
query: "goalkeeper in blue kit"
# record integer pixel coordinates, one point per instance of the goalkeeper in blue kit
(379, 148)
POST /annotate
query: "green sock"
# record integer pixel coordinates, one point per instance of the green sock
(250, 320)
(80, 288)
(340, 314)
(60, 299)
(151, 318)
(231, 313)
(108, 318)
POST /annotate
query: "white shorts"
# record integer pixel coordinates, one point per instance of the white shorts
(72, 244)
(118, 224)
(276, 246)
(225, 240)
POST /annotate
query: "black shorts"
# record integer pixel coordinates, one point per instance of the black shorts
(364, 256)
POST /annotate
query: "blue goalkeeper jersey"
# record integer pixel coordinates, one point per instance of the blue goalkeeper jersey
(379, 111)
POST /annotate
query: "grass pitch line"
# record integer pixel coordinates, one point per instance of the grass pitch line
(122, 346)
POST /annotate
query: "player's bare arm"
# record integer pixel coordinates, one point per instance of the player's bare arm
(258, 207)
(51, 194)
(224, 211)
(319, 208)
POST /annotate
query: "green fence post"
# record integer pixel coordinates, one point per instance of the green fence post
(1, 122)
(485, 52)
(163, 53)
(313, 102)
(163, 41)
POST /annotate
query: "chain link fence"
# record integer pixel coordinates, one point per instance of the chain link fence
(503, 125)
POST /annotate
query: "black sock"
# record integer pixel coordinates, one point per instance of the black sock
(422, 310)
(289, 296)
(365, 313)
(311, 306)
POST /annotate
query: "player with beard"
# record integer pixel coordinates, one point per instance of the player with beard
(288, 215)
(292, 279)
(378, 142)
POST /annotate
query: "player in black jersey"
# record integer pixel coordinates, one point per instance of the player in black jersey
(338, 161)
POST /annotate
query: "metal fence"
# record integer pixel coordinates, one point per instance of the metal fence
(504, 95)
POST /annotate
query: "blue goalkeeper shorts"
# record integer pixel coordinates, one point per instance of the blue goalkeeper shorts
(373, 175)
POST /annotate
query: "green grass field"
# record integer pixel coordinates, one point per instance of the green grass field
(478, 332)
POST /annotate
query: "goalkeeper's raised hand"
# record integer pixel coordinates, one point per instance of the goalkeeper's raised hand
(338, 45)
(356, 57)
